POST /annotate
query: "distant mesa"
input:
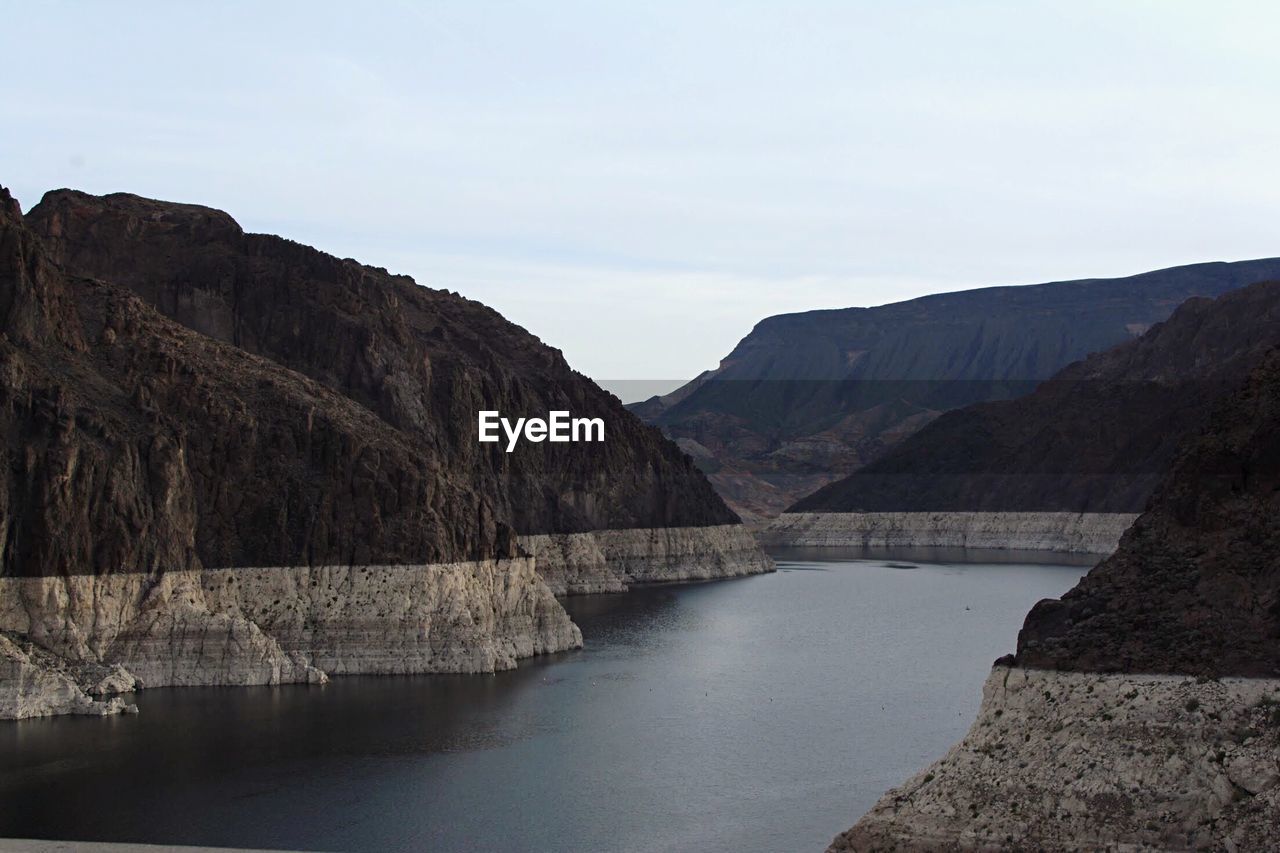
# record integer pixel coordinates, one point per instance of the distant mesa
(807, 399)
(1095, 438)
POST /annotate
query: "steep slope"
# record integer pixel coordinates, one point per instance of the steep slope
(178, 510)
(1195, 585)
(1054, 450)
(1094, 439)
(1094, 735)
(424, 362)
(808, 398)
(149, 471)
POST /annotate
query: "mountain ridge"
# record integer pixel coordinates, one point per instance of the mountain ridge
(799, 402)
(1050, 451)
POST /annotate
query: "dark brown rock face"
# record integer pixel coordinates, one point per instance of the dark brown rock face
(1097, 437)
(292, 409)
(1195, 585)
(423, 361)
(809, 398)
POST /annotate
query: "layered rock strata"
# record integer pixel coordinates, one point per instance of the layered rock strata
(293, 624)
(36, 683)
(182, 403)
(613, 560)
(1067, 532)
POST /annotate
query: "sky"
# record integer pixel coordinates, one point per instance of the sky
(638, 184)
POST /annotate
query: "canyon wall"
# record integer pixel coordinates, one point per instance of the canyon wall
(613, 560)
(808, 398)
(182, 404)
(281, 624)
(1097, 437)
(1142, 709)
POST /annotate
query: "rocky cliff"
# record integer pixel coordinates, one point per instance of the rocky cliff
(422, 361)
(1140, 711)
(806, 399)
(612, 560)
(230, 459)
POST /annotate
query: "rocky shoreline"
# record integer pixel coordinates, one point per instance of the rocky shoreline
(68, 643)
(1142, 708)
(1066, 532)
(274, 625)
(614, 560)
(1060, 761)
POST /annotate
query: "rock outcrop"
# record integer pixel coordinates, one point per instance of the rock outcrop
(293, 623)
(1142, 710)
(184, 404)
(1071, 761)
(806, 399)
(1091, 442)
(35, 683)
(421, 361)
(613, 560)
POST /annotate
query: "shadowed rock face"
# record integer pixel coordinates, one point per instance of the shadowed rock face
(294, 409)
(132, 444)
(1095, 735)
(420, 361)
(1195, 585)
(808, 398)
(1097, 437)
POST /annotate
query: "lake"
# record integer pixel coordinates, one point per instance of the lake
(759, 714)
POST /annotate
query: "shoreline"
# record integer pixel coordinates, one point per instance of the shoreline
(73, 645)
(1062, 532)
(1040, 764)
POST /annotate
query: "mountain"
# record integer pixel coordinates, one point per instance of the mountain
(806, 399)
(1195, 586)
(233, 459)
(423, 361)
(1095, 438)
(1140, 711)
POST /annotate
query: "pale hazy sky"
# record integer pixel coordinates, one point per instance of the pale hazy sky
(639, 183)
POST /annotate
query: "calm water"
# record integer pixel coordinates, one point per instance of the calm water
(765, 714)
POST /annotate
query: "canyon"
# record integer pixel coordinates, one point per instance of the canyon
(233, 459)
(1066, 467)
(807, 399)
